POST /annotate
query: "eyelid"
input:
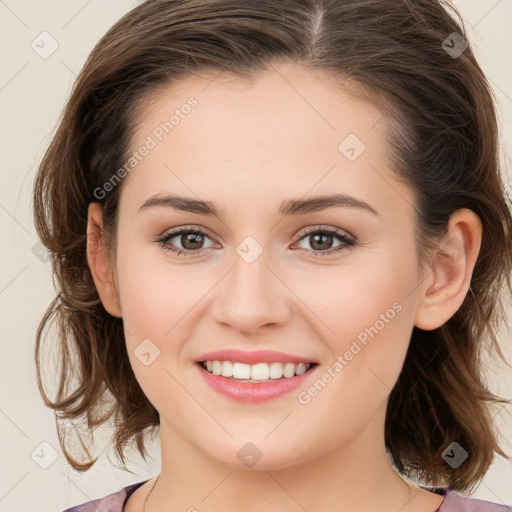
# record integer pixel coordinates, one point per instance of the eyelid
(323, 227)
(304, 231)
(188, 227)
(347, 239)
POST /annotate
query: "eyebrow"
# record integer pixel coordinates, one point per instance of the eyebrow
(287, 208)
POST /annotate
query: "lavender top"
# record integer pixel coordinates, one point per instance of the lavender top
(452, 502)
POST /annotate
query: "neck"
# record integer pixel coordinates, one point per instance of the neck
(356, 475)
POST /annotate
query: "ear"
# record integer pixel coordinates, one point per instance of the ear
(99, 262)
(446, 283)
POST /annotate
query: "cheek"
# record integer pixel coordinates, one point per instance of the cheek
(157, 305)
(155, 295)
(372, 333)
(365, 315)
(355, 302)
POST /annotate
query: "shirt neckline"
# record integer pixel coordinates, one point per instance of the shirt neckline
(130, 489)
(440, 508)
(133, 487)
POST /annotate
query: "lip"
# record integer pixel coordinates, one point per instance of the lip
(254, 392)
(253, 357)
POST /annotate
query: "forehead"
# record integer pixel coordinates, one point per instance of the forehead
(284, 130)
(278, 97)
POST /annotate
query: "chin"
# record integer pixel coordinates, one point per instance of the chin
(261, 457)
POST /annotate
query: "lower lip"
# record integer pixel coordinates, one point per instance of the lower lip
(253, 391)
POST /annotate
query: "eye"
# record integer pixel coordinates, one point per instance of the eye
(322, 239)
(191, 241)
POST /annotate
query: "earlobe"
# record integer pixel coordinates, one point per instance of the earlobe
(446, 284)
(99, 262)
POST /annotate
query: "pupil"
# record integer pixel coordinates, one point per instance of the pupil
(195, 239)
(318, 245)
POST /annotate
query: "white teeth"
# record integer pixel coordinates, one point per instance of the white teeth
(217, 367)
(289, 370)
(276, 370)
(256, 372)
(300, 369)
(241, 371)
(227, 368)
(260, 371)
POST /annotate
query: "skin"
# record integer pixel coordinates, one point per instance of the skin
(247, 147)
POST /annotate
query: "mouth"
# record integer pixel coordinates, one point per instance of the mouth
(258, 382)
(256, 373)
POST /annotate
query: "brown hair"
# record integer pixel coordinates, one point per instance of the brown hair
(444, 143)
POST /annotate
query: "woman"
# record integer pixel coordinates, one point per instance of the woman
(279, 231)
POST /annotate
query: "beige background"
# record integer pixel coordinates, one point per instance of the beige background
(33, 91)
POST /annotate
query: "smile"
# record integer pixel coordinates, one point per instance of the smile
(264, 387)
(260, 372)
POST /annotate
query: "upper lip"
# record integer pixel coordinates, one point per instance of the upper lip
(253, 357)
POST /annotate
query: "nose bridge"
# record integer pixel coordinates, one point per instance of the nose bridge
(252, 296)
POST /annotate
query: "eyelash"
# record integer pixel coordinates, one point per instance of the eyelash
(347, 241)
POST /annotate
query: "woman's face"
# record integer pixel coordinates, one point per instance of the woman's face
(261, 277)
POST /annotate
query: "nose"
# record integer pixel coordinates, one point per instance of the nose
(252, 296)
